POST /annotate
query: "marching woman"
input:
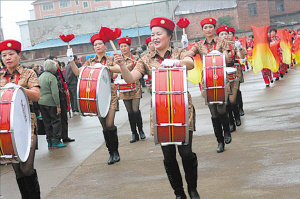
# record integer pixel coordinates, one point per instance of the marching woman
(150, 45)
(131, 99)
(162, 30)
(109, 129)
(218, 112)
(26, 78)
(275, 38)
(235, 99)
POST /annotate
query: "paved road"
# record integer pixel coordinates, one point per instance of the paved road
(262, 161)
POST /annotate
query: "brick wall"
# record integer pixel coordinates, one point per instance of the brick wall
(246, 20)
(290, 6)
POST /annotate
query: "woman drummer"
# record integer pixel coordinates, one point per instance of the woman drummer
(109, 129)
(131, 99)
(26, 78)
(162, 29)
(235, 100)
(218, 112)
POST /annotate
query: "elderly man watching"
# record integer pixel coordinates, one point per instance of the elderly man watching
(50, 105)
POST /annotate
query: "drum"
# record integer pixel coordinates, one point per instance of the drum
(214, 76)
(94, 91)
(148, 79)
(122, 86)
(170, 105)
(231, 74)
(15, 128)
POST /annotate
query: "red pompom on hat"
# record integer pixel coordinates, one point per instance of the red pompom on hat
(231, 29)
(147, 40)
(208, 20)
(221, 29)
(10, 44)
(162, 22)
(95, 37)
(124, 40)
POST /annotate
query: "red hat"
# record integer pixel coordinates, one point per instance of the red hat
(221, 29)
(162, 22)
(124, 40)
(96, 37)
(208, 20)
(10, 44)
(147, 40)
(231, 29)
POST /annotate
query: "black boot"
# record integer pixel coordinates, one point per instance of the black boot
(22, 188)
(190, 167)
(239, 99)
(218, 133)
(174, 176)
(236, 113)
(132, 121)
(32, 185)
(113, 137)
(232, 126)
(139, 123)
(108, 145)
(225, 123)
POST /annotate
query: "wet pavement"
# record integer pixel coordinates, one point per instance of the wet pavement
(263, 160)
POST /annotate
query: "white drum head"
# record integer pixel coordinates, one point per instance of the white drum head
(20, 121)
(104, 92)
(230, 70)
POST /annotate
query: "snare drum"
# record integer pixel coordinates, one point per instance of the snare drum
(148, 79)
(170, 105)
(15, 128)
(122, 86)
(231, 74)
(214, 76)
(94, 90)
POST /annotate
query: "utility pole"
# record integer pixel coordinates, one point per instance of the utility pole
(137, 25)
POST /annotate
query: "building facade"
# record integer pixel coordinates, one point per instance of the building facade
(54, 8)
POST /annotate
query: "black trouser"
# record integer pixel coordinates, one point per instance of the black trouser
(64, 119)
(52, 122)
(73, 96)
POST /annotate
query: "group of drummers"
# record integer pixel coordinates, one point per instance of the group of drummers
(172, 117)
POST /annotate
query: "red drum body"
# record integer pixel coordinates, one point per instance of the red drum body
(231, 74)
(170, 105)
(94, 91)
(122, 86)
(15, 125)
(214, 76)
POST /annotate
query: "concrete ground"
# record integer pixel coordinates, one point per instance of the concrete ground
(261, 162)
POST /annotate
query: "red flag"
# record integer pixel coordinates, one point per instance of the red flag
(195, 75)
(274, 47)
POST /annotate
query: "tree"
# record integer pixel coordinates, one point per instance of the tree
(225, 21)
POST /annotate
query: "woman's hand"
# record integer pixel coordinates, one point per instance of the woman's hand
(119, 60)
(58, 110)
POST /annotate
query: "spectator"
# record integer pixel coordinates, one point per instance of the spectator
(50, 105)
(63, 94)
(72, 80)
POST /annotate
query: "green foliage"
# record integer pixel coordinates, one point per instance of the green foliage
(225, 21)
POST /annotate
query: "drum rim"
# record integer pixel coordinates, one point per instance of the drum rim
(12, 107)
(98, 91)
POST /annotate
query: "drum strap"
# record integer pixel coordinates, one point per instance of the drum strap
(132, 61)
(232, 55)
(62, 80)
(160, 60)
(215, 45)
(17, 79)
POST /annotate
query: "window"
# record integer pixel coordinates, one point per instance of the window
(47, 6)
(77, 11)
(76, 3)
(66, 13)
(65, 3)
(48, 16)
(279, 6)
(252, 9)
(85, 4)
(101, 8)
(98, 0)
